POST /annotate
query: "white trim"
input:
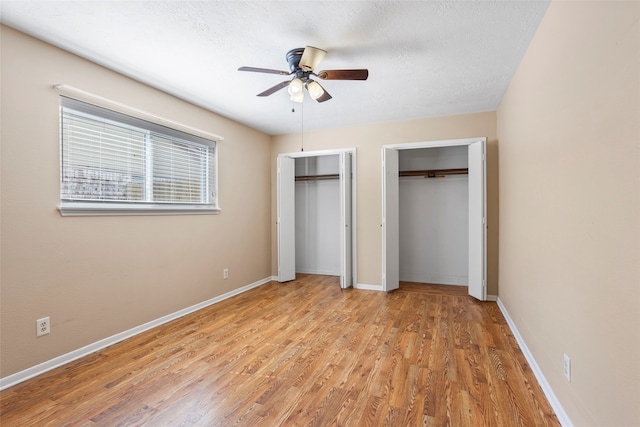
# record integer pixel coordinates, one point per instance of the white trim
(367, 287)
(319, 272)
(91, 98)
(434, 144)
(544, 384)
(431, 144)
(99, 345)
(390, 209)
(299, 154)
(354, 205)
(439, 280)
(102, 208)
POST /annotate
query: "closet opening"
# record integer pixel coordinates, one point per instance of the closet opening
(434, 214)
(316, 215)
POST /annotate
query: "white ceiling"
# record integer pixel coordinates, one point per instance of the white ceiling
(425, 58)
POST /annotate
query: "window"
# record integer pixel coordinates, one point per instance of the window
(113, 163)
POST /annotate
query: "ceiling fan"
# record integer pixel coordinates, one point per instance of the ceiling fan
(302, 62)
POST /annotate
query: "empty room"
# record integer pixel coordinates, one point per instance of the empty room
(283, 213)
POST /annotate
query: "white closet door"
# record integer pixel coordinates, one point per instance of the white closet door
(477, 221)
(286, 219)
(346, 277)
(390, 220)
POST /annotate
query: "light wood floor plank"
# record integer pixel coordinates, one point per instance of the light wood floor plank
(301, 353)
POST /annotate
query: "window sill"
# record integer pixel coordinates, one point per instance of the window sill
(111, 209)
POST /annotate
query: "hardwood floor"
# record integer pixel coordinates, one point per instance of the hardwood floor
(301, 353)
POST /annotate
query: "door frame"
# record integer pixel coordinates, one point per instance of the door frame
(318, 153)
(389, 260)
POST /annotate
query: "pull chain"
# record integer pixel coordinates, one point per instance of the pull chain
(293, 110)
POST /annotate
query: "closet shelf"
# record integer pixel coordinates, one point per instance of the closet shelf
(435, 173)
(318, 177)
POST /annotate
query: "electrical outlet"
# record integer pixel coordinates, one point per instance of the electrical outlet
(43, 326)
(225, 273)
(567, 368)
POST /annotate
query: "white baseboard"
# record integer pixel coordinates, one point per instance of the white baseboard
(318, 272)
(544, 384)
(368, 287)
(379, 288)
(99, 345)
(438, 280)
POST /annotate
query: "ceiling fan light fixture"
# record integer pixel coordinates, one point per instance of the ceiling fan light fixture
(315, 90)
(295, 87)
(311, 57)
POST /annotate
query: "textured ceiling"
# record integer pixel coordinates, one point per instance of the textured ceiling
(425, 58)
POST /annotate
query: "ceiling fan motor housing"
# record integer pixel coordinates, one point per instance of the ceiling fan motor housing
(293, 59)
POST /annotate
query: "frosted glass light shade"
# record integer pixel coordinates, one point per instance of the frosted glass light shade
(297, 97)
(315, 90)
(295, 86)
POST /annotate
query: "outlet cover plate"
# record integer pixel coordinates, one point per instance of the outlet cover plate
(43, 326)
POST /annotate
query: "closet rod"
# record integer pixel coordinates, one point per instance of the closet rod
(435, 173)
(317, 177)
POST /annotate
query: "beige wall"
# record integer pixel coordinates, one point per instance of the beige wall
(98, 276)
(368, 141)
(569, 131)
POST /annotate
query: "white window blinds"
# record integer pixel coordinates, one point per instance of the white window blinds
(110, 157)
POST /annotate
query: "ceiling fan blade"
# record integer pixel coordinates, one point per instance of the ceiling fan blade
(311, 57)
(362, 74)
(324, 97)
(264, 70)
(275, 88)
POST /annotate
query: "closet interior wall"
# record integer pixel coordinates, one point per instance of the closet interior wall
(317, 208)
(434, 217)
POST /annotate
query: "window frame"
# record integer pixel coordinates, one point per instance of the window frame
(74, 207)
